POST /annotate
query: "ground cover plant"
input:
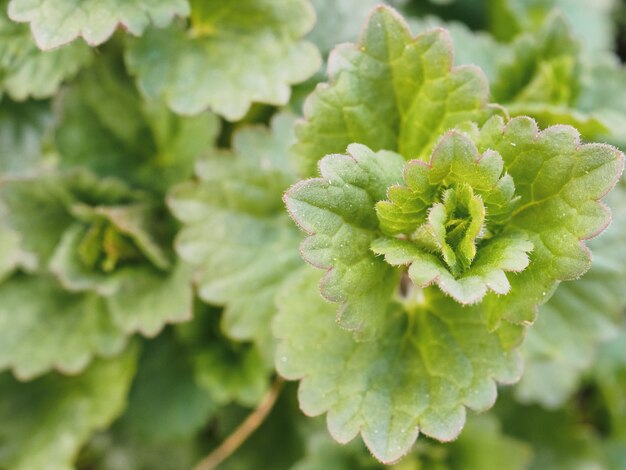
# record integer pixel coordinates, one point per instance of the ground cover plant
(312, 234)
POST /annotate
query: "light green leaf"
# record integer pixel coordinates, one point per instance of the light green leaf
(391, 91)
(57, 22)
(563, 342)
(470, 46)
(559, 182)
(44, 423)
(426, 367)
(106, 126)
(202, 68)
(337, 210)
(235, 230)
(10, 253)
(25, 71)
(146, 299)
(43, 327)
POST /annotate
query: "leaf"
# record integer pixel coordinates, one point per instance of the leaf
(419, 376)
(57, 22)
(337, 211)
(391, 91)
(571, 326)
(43, 327)
(593, 23)
(165, 402)
(559, 182)
(201, 68)
(44, 423)
(235, 231)
(26, 71)
(230, 371)
(338, 22)
(106, 127)
(23, 129)
(146, 300)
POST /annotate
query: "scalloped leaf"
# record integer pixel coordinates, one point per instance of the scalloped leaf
(43, 327)
(27, 72)
(559, 182)
(107, 127)
(391, 91)
(44, 423)
(57, 22)
(419, 376)
(337, 210)
(201, 68)
(563, 342)
(235, 231)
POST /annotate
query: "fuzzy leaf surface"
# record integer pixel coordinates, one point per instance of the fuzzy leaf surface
(564, 340)
(44, 423)
(235, 230)
(559, 182)
(201, 69)
(391, 91)
(57, 22)
(337, 210)
(417, 377)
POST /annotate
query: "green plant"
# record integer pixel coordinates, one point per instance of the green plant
(152, 283)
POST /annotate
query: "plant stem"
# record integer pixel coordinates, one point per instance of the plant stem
(243, 431)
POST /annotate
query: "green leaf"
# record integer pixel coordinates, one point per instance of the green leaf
(542, 68)
(391, 91)
(44, 423)
(25, 71)
(43, 327)
(559, 182)
(419, 376)
(165, 402)
(23, 129)
(235, 230)
(57, 22)
(338, 22)
(108, 128)
(201, 68)
(337, 210)
(564, 340)
(593, 23)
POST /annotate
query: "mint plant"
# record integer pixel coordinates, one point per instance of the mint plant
(367, 235)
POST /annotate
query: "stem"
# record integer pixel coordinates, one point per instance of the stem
(243, 431)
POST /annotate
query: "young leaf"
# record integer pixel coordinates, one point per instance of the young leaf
(559, 182)
(235, 230)
(57, 22)
(419, 376)
(337, 210)
(201, 68)
(44, 423)
(391, 91)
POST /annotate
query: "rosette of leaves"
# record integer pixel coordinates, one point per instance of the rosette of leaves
(440, 237)
(97, 267)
